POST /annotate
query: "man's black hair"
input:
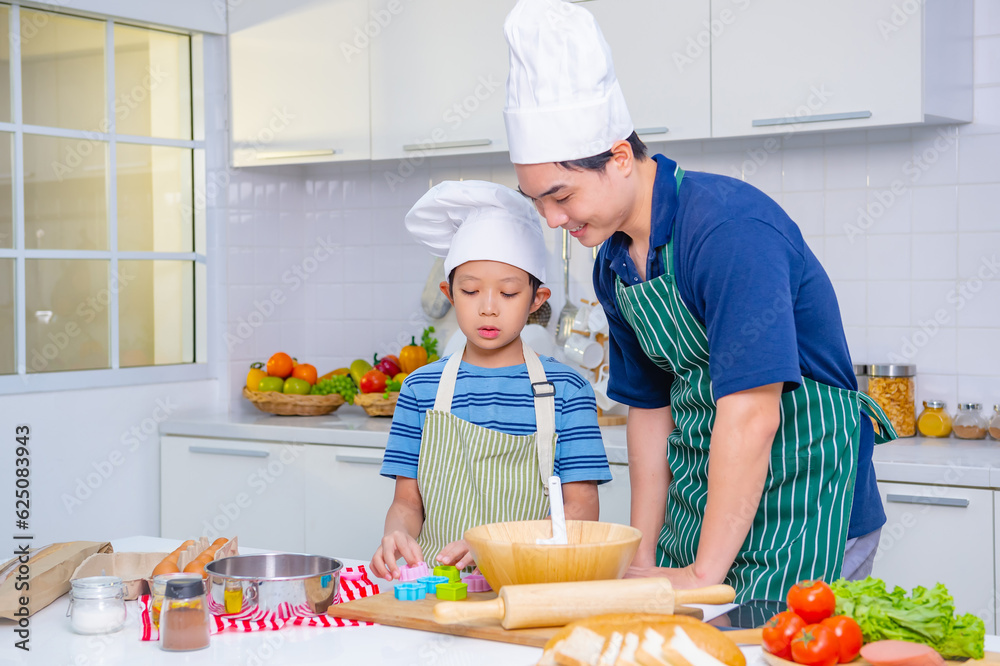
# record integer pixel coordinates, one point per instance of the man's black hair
(598, 162)
(533, 282)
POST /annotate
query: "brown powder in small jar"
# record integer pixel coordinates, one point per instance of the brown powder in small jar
(184, 628)
(995, 433)
(969, 432)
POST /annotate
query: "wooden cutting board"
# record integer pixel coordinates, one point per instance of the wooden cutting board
(989, 659)
(385, 609)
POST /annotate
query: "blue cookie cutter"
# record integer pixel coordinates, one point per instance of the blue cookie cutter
(431, 582)
(410, 591)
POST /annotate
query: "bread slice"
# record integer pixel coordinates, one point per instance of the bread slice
(627, 655)
(582, 648)
(549, 656)
(612, 648)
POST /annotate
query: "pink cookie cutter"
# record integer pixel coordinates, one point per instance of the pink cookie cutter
(414, 571)
(476, 583)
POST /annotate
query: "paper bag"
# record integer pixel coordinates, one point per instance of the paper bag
(49, 571)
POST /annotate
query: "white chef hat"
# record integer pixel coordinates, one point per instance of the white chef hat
(474, 220)
(563, 98)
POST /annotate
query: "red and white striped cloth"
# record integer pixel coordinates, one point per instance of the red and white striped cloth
(355, 585)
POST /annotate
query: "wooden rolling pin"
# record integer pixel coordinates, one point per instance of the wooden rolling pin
(556, 604)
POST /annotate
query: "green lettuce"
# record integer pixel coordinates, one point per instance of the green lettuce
(926, 616)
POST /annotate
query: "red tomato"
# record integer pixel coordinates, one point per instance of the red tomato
(373, 382)
(815, 645)
(813, 600)
(305, 371)
(848, 636)
(779, 632)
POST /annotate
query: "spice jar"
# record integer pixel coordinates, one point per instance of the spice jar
(891, 386)
(970, 423)
(934, 421)
(159, 589)
(97, 605)
(861, 373)
(184, 617)
(995, 423)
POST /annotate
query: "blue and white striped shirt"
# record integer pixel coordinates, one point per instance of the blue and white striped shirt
(501, 399)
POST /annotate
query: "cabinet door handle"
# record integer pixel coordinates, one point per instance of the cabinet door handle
(447, 144)
(361, 460)
(219, 451)
(642, 131)
(819, 118)
(291, 154)
(935, 501)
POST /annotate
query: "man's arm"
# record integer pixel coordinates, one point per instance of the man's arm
(745, 425)
(649, 476)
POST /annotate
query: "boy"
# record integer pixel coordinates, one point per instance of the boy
(475, 435)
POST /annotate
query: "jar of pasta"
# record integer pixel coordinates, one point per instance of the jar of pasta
(891, 386)
(934, 421)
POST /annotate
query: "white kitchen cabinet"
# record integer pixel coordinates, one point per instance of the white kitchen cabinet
(219, 487)
(438, 79)
(346, 502)
(940, 534)
(299, 80)
(661, 55)
(615, 496)
(793, 66)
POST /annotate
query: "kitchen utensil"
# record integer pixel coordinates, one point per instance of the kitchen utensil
(308, 583)
(988, 658)
(435, 303)
(556, 514)
(506, 553)
(580, 320)
(583, 351)
(542, 315)
(384, 609)
(564, 325)
(597, 322)
(556, 604)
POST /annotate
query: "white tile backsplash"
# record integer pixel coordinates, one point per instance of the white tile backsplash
(906, 222)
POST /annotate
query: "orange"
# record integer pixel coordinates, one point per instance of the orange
(279, 365)
(305, 371)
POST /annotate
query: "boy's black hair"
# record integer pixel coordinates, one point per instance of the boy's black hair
(598, 162)
(533, 282)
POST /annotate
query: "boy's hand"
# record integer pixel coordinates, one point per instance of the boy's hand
(395, 545)
(456, 553)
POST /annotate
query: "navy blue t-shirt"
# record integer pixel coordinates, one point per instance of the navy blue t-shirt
(745, 272)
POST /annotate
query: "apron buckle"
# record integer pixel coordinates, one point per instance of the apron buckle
(543, 389)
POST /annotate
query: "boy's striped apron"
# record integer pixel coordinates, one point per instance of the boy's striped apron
(469, 475)
(800, 527)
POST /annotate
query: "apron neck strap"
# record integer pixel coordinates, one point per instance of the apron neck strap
(543, 392)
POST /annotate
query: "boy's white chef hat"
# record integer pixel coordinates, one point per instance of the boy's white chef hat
(563, 98)
(474, 220)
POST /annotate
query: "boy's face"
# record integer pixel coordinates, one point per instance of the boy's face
(492, 302)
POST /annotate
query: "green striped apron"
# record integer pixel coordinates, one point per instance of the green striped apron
(469, 475)
(800, 528)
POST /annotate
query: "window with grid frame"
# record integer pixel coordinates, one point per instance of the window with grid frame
(101, 255)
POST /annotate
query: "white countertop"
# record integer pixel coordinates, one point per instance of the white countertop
(951, 462)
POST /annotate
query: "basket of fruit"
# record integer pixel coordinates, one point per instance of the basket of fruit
(377, 404)
(288, 388)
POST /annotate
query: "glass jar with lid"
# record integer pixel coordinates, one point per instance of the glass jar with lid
(184, 620)
(891, 386)
(159, 589)
(995, 423)
(97, 605)
(970, 423)
(934, 420)
(861, 373)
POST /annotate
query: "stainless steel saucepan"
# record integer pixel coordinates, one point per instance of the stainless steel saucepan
(285, 583)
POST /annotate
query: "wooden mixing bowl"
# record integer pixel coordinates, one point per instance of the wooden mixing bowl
(506, 553)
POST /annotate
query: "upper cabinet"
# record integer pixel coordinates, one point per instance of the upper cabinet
(299, 80)
(661, 54)
(789, 65)
(438, 78)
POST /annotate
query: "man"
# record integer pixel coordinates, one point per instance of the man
(747, 440)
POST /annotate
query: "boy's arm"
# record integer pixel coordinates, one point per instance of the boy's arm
(580, 500)
(403, 523)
